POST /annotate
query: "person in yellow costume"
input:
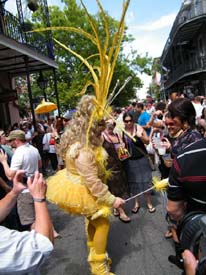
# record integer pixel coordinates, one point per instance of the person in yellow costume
(80, 188)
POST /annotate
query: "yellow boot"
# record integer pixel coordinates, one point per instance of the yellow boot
(99, 263)
(91, 250)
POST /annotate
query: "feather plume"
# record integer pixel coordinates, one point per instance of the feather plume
(160, 185)
(107, 52)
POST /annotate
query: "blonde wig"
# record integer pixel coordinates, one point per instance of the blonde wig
(77, 131)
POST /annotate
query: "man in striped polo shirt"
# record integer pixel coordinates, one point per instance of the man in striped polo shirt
(187, 192)
(187, 181)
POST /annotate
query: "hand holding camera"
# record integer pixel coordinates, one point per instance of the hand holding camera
(18, 185)
(37, 187)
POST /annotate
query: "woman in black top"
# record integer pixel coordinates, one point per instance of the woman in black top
(139, 173)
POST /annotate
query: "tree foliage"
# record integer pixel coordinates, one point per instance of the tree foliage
(72, 74)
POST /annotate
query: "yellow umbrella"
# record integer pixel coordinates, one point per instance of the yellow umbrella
(45, 107)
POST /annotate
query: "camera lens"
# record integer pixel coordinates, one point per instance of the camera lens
(24, 179)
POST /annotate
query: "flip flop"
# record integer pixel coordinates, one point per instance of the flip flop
(151, 209)
(125, 220)
(116, 213)
(168, 234)
(135, 210)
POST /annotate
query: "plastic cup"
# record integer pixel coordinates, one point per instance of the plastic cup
(161, 150)
(167, 160)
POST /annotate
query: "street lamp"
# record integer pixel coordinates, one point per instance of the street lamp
(42, 83)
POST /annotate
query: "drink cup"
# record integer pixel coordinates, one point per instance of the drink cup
(167, 160)
(168, 163)
(161, 150)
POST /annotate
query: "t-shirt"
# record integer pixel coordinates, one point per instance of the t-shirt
(22, 252)
(134, 114)
(47, 145)
(25, 157)
(143, 119)
(198, 109)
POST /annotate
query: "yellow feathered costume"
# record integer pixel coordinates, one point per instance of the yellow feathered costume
(80, 189)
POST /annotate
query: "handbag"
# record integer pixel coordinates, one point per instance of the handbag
(123, 153)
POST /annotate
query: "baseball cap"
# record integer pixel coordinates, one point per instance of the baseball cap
(16, 134)
(67, 115)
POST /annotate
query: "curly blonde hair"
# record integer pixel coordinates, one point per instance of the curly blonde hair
(77, 130)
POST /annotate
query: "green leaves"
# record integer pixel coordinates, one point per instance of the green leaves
(91, 44)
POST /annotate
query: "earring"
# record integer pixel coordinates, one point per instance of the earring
(185, 126)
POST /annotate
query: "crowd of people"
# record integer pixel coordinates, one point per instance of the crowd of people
(98, 169)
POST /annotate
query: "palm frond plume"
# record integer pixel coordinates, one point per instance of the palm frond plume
(107, 49)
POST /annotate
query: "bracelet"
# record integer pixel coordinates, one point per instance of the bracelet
(39, 200)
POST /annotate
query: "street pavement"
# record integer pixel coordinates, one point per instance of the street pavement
(137, 248)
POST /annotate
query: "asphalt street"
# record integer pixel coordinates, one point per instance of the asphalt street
(137, 248)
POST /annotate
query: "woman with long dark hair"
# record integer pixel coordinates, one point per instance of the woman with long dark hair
(139, 173)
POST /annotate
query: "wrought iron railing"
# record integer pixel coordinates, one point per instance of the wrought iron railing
(187, 12)
(11, 27)
(193, 65)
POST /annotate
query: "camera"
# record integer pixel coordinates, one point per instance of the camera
(191, 233)
(25, 178)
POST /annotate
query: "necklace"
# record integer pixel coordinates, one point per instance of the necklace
(132, 130)
(110, 138)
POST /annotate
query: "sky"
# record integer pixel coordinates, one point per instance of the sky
(148, 21)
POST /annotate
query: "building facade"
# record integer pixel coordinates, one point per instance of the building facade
(21, 53)
(183, 60)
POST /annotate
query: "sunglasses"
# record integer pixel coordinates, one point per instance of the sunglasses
(126, 121)
(170, 124)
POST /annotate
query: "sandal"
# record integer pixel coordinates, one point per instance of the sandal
(135, 210)
(168, 234)
(151, 209)
(125, 219)
(116, 213)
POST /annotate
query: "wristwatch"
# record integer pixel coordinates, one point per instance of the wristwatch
(39, 200)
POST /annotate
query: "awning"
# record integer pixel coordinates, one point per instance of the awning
(12, 58)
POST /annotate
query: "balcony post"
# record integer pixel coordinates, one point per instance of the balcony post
(56, 90)
(30, 92)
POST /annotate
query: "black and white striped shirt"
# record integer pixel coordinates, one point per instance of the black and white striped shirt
(187, 179)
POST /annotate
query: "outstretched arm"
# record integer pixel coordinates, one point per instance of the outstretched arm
(8, 202)
(87, 168)
(37, 189)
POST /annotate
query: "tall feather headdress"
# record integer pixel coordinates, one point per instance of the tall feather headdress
(108, 53)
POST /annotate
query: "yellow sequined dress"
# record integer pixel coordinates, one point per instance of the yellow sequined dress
(79, 188)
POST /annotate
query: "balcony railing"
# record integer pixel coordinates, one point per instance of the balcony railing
(187, 12)
(193, 65)
(11, 27)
